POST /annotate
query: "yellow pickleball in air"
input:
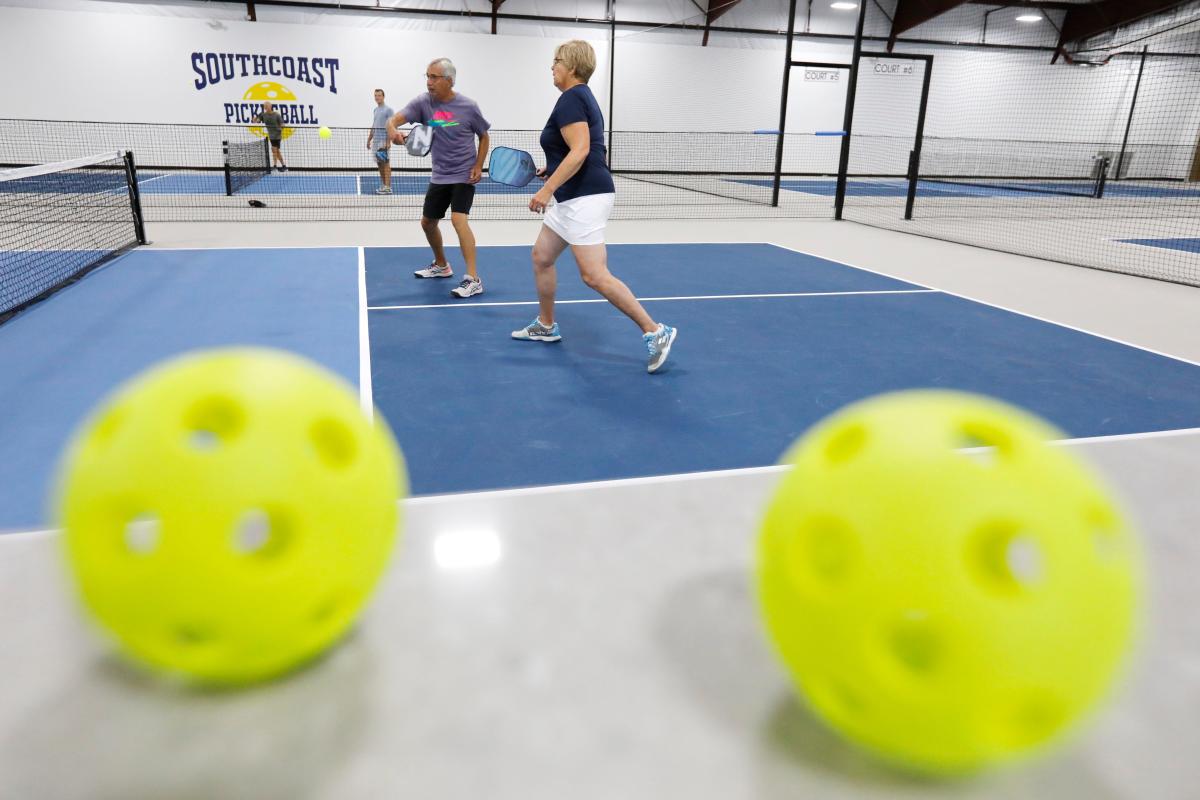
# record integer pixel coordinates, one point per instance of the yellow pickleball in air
(947, 610)
(324, 132)
(276, 93)
(227, 514)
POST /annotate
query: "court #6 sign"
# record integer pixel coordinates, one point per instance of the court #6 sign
(898, 69)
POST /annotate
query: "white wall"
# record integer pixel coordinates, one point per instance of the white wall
(137, 68)
(671, 87)
(127, 64)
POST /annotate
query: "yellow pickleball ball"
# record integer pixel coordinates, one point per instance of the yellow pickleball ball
(947, 610)
(227, 514)
(324, 132)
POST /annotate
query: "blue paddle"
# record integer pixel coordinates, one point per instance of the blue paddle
(511, 167)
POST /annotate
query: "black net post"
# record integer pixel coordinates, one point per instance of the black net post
(228, 176)
(848, 125)
(914, 164)
(783, 99)
(1102, 165)
(1129, 122)
(135, 197)
(612, 74)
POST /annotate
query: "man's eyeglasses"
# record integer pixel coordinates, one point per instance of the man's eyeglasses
(433, 77)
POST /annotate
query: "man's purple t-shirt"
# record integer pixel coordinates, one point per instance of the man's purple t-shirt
(455, 125)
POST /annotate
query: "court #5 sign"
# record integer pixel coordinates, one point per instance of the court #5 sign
(823, 75)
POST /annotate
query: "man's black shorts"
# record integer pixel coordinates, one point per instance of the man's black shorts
(458, 197)
(275, 143)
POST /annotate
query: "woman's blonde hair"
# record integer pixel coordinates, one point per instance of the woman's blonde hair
(577, 56)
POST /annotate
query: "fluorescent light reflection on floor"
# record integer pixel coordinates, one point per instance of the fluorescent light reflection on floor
(466, 549)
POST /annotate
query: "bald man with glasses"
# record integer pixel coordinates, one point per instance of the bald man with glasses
(456, 122)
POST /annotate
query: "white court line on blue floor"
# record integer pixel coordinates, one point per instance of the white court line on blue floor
(197, 249)
(524, 246)
(1010, 310)
(657, 299)
(771, 469)
(772, 244)
(366, 397)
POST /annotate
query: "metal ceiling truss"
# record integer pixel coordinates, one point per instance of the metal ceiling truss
(1080, 21)
(716, 8)
(911, 13)
(1085, 21)
(495, 11)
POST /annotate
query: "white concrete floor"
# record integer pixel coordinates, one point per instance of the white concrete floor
(613, 650)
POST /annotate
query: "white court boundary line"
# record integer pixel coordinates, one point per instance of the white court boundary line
(152, 246)
(770, 244)
(1006, 308)
(141, 182)
(528, 246)
(771, 469)
(678, 477)
(366, 396)
(655, 299)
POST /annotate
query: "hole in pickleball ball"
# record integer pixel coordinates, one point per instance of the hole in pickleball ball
(1029, 721)
(984, 443)
(1004, 559)
(325, 610)
(915, 644)
(846, 443)
(261, 534)
(1023, 558)
(108, 426)
(825, 550)
(142, 534)
(334, 443)
(212, 422)
(192, 635)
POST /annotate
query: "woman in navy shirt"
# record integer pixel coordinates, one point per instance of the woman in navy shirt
(578, 180)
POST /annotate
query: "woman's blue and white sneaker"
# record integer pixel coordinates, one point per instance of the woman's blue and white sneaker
(658, 346)
(468, 287)
(537, 332)
(434, 271)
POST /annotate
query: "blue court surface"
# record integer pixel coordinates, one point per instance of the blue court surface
(1184, 244)
(293, 182)
(300, 182)
(898, 187)
(771, 340)
(296, 182)
(60, 356)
